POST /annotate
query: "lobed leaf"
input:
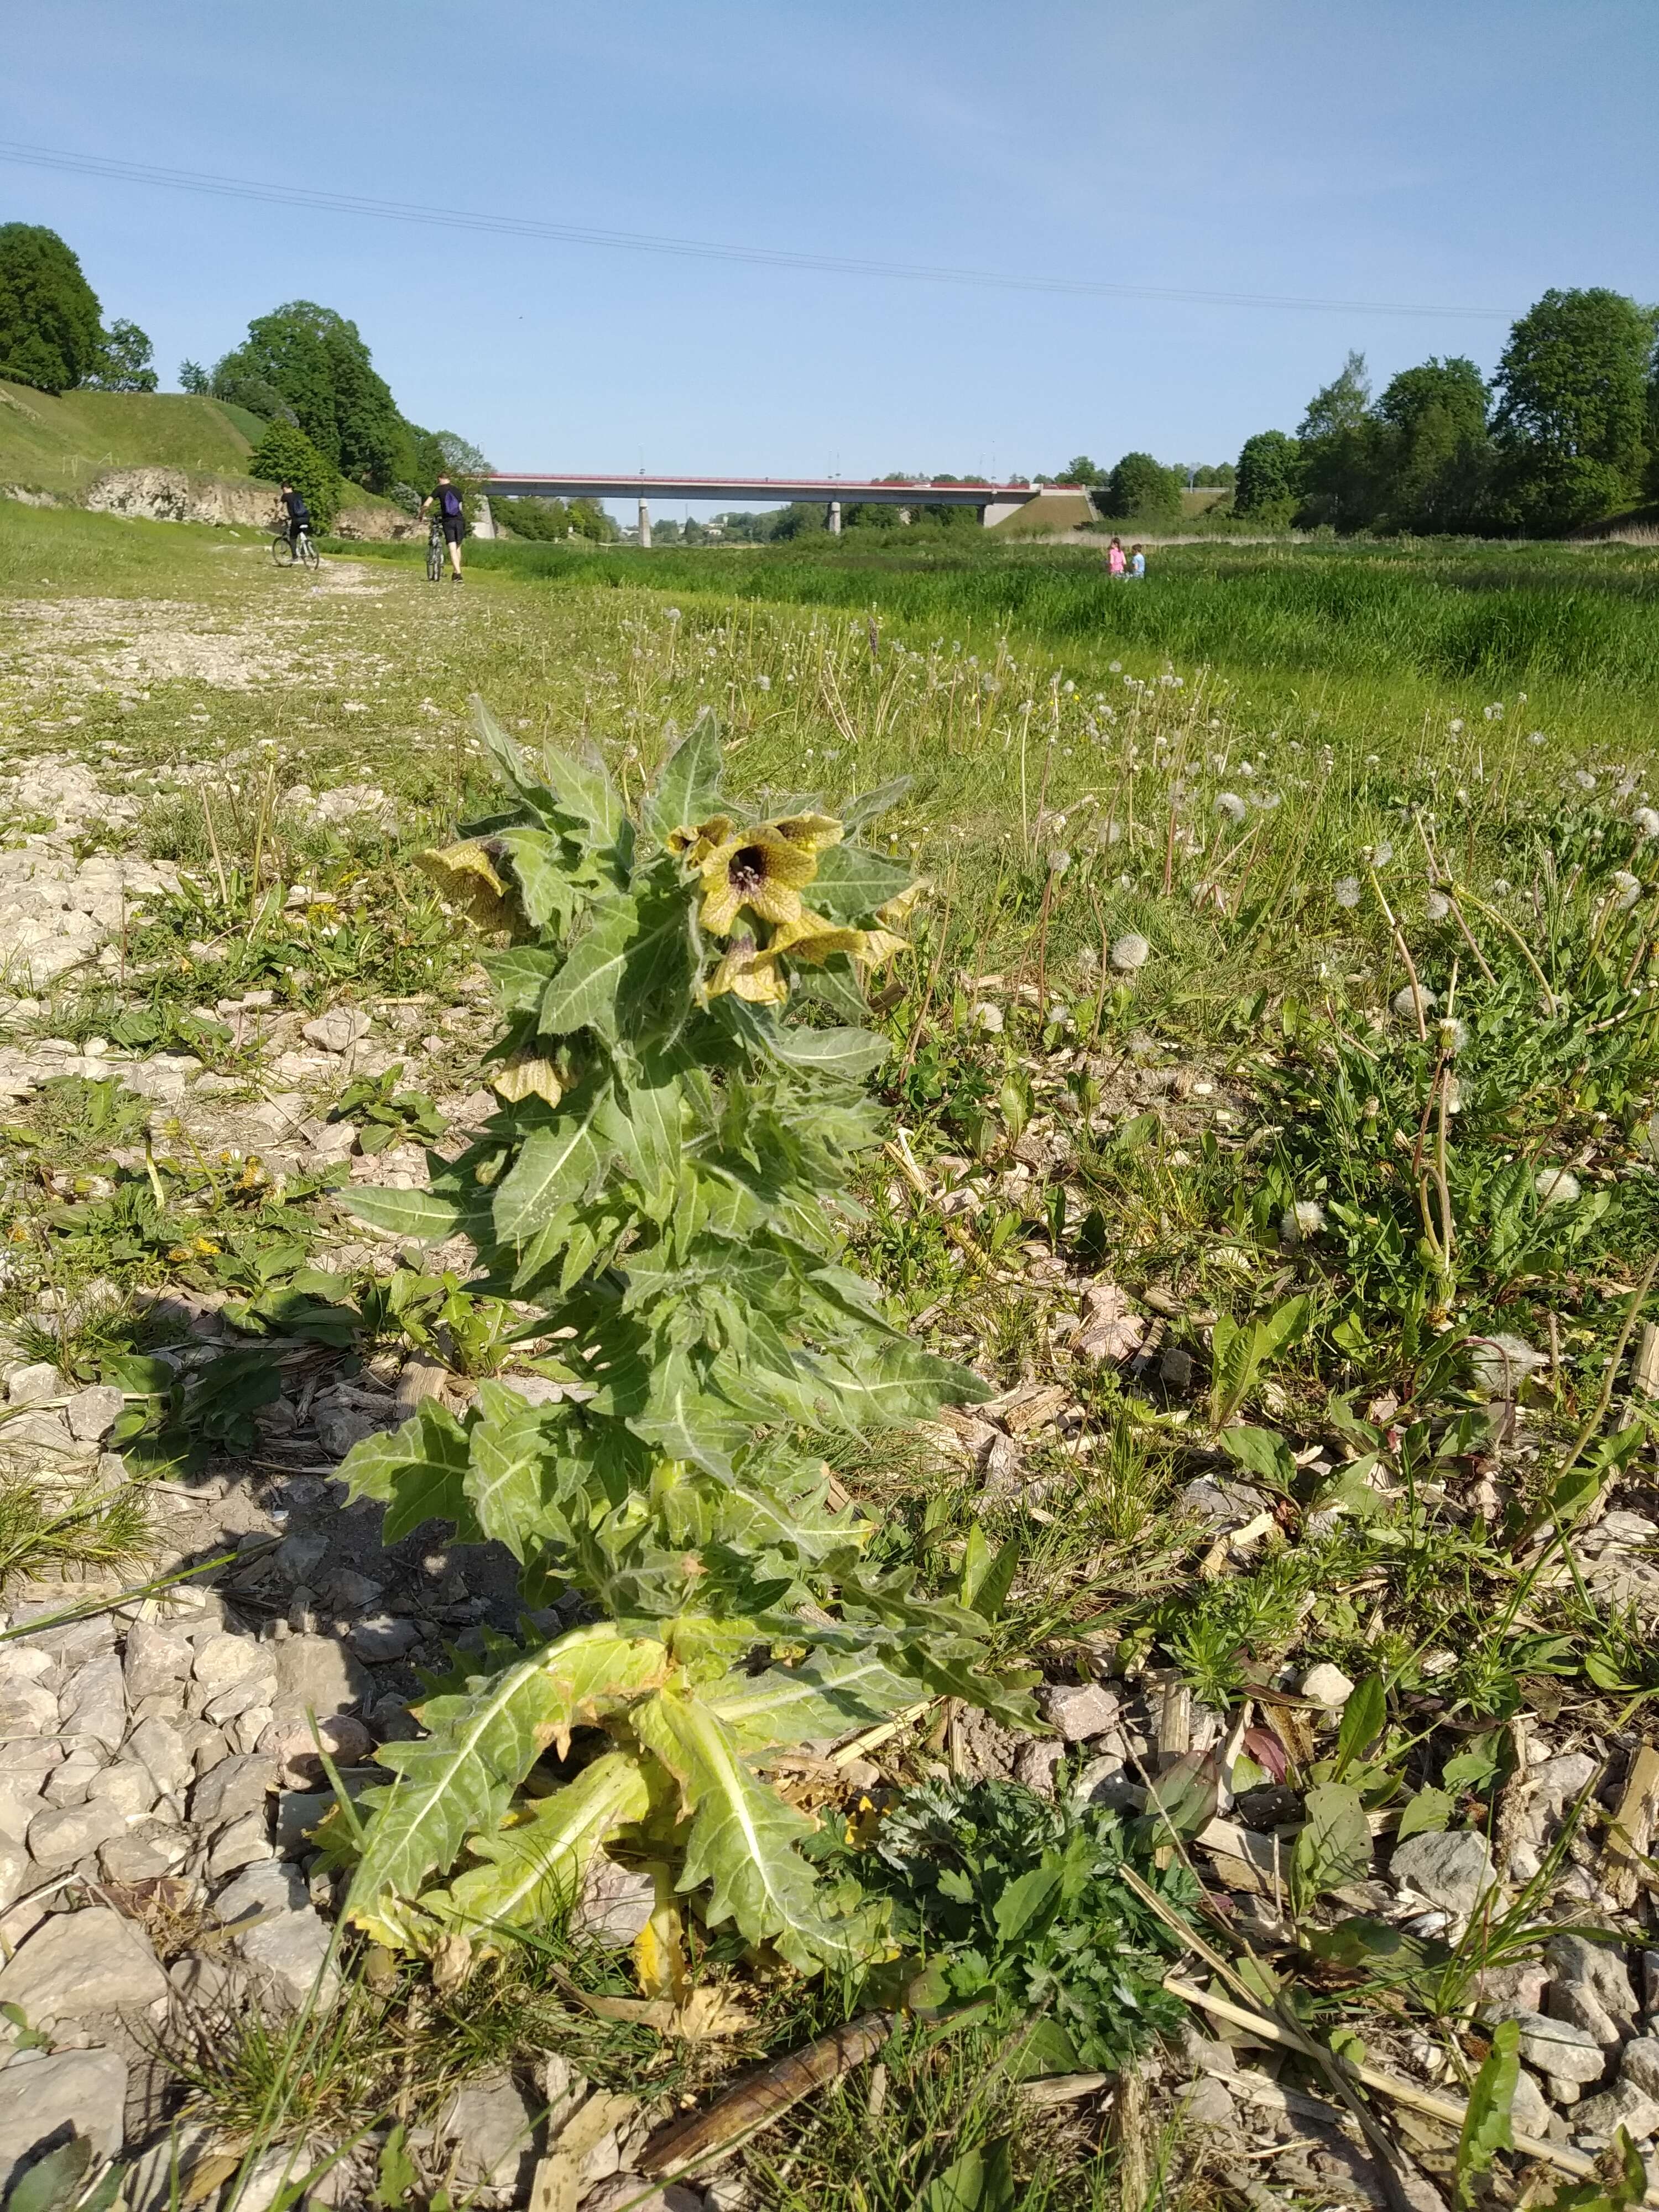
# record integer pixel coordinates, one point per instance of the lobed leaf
(534, 1865)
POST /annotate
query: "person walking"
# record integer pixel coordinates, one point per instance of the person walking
(1114, 557)
(1137, 564)
(451, 515)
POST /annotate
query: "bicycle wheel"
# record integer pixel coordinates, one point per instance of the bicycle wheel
(434, 561)
(308, 552)
(281, 551)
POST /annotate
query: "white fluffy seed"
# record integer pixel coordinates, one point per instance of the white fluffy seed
(1555, 1187)
(1130, 951)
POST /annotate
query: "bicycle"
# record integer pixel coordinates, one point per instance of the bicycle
(435, 552)
(286, 550)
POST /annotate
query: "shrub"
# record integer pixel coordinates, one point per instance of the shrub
(1269, 480)
(286, 455)
(660, 1187)
(125, 359)
(1139, 490)
(49, 327)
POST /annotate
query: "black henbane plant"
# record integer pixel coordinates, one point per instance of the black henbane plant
(662, 1182)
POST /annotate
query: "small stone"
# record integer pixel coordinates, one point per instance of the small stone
(61, 1838)
(615, 1905)
(160, 1749)
(126, 1786)
(1590, 1987)
(1176, 1368)
(314, 1674)
(1640, 2064)
(1555, 2047)
(342, 1736)
(26, 1708)
(383, 1638)
(298, 1557)
(1326, 1685)
(352, 1592)
(132, 1858)
(238, 1844)
(230, 1789)
(1209, 2104)
(224, 1659)
(70, 2092)
(34, 1385)
(95, 1702)
(632, 2192)
(155, 1659)
(80, 1963)
(492, 2124)
(93, 1412)
(1529, 2113)
(69, 1783)
(1109, 1780)
(1077, 1710)
(1595, 2121)
(339, 1029)
(1035, 1762)
(1453, 1869)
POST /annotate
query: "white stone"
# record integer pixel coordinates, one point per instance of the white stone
(339, 1029)
(80, 1963)
(1623, 2105)
(1453, 1869)
(95, 1703)
(92, 1413)
(1326, 1685)
(224, 1659)
(1555, 2047)
(61, 1838)
(492, 2124)
(1077, 1710)
(33, 1385)
(84, 2091)
(161, 1749)
(383, 1636)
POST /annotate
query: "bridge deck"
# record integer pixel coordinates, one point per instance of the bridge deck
(732, 491)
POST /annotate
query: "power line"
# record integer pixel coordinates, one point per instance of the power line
(507, 226)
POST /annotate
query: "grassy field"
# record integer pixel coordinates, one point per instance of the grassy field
(62, 444)
(1285, 1005)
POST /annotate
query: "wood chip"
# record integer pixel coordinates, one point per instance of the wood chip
(1631, 1832)
(557, 2183)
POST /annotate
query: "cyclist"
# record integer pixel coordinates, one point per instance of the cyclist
(298, 514)
(451, 517)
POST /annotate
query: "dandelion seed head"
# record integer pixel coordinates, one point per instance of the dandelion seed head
(1058, 861)
(1629, 888)
(1130, 951)
(1501, 887)
(1455, 726)
(671, 614)
(1646, 821)
(1347, 891)
(1229, 804)
(1409, 1003)
(1583, 778)
(1298, 1222)
(1450, 1034)
(1556, 1187)
(1439, 906)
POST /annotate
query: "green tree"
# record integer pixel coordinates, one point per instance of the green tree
(126, 360)
(1268, 485)
(1082, 470)
(461, 457)
(1340, 451)
(50, 325)
(193, 377)
(1572, 422)
(1435, 449)
(315, 362)
(1216, 476)
(286, 455)
(1140, 489)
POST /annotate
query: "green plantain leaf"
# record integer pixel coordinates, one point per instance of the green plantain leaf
(1487, 2128)
(742, 1837)
(534, 1865)
(458, 1779)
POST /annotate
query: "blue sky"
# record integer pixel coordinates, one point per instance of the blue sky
(1456, 154)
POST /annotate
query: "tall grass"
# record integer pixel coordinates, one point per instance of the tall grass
(1505, 616)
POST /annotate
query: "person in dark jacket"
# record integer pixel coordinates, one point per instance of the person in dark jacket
(453, 515)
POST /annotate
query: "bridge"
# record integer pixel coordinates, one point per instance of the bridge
(997, 503)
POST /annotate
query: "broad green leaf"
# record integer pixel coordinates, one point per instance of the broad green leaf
(852, 1054)
(420, 1216)
(545, 890)
(521, 974)
(652, 1099)
(556, 1164)
(825, 1696)
(1260, 1452)
(986, 1576)
(535, 1863)
(1334, 1848)
(418, 1472)
(1362, 1723)
(1474, 1767)
(1285, 1327)
(978, 2181)
(743, 1837)
(53, 2183)
(583, 994)
(689, 788)
(1426, 1814)
(1487, 2128)
(456, 1780)
(1023, 1900)
(583, 796)
(870, 806)
(852, 882)
(511, 1471)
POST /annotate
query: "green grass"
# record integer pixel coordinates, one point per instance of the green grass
(64, 444)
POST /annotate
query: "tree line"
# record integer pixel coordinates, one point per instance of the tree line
(1566, 432)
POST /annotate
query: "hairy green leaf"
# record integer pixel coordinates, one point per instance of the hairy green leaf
(421, 1216)
(583, 994)
(689, 788)
(533, 1866)
(556, 1165)
(419, 1470)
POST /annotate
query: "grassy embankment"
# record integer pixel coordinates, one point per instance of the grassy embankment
(1312, 781)
(64, 444)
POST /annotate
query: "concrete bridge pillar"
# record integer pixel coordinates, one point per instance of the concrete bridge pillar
(645, 525)
(834, 518)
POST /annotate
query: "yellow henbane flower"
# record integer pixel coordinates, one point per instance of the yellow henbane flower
(525, 1075)
(467, 877)
(764, 868)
